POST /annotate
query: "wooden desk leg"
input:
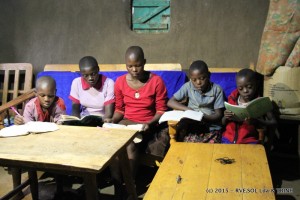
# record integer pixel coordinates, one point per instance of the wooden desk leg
(127, 174)
(91, 188)
(34, 189)
(172, 131)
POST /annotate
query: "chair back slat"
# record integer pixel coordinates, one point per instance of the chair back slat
(16, 84)
(15, 87)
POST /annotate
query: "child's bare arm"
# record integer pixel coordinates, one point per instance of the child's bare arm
(268, 120)
(215, 116)
(76, 109)
(173, 103)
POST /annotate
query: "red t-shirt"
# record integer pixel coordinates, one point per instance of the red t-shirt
(141, 105)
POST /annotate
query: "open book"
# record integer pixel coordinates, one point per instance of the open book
(256, 108)
(137, 127)
(30, 127)
(88, 120)
(177, 115)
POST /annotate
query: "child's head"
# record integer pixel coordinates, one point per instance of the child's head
(135, 61)
(246, 82)
(46, 91)
(200, 75)
(89, 70)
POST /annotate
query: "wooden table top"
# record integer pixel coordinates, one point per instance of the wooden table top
(71, 148)
(202, 177)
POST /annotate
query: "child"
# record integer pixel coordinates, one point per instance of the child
(45, 107)
(203, 96)
(92, 93)
(244, 132)
(140, 99)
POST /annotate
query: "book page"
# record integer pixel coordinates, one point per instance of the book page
(191, 114)
(30, 127)
(259, 106)
(40, 127)
(68, 117)
(14, 130)
(112, 125)
(174, 115)
(240, 112)
(137, 127)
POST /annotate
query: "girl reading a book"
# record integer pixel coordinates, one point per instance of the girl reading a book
(92, 93)
(140, 99)
(248, 131)
(203, 96)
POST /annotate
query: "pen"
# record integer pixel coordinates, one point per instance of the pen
(13, 108)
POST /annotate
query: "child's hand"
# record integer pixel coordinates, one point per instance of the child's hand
(19, 120)
(145, 127)
(228, 114)
(108, 120)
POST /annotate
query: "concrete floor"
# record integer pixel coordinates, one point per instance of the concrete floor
(73, 188)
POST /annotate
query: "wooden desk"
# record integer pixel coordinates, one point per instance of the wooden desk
(80, 151)
(205, 178)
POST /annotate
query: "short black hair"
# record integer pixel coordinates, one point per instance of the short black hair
(199, 65)
(137, 51)
(249, 73)
(45, 81)
(88, 61)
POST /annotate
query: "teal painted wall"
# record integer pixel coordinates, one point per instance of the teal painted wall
(223, 33)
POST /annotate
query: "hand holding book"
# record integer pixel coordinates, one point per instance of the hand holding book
(256, 108)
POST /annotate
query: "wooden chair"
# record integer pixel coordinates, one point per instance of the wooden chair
(16, 89)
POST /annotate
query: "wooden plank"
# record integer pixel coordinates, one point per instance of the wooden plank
(142, 3)
(203, 177)
(195, 173)
(20, 99)
(114, 67)
(149, 15)
(16, 83)
(150, 26)
(164, 184)
(224, 69)
(5, 86)
(55, 150)
(225, 178)
(256, 175)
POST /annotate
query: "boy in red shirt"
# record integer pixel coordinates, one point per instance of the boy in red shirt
(244, 132)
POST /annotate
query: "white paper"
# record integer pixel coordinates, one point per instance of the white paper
(177, 115)
(25, 129)
(138, 127)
